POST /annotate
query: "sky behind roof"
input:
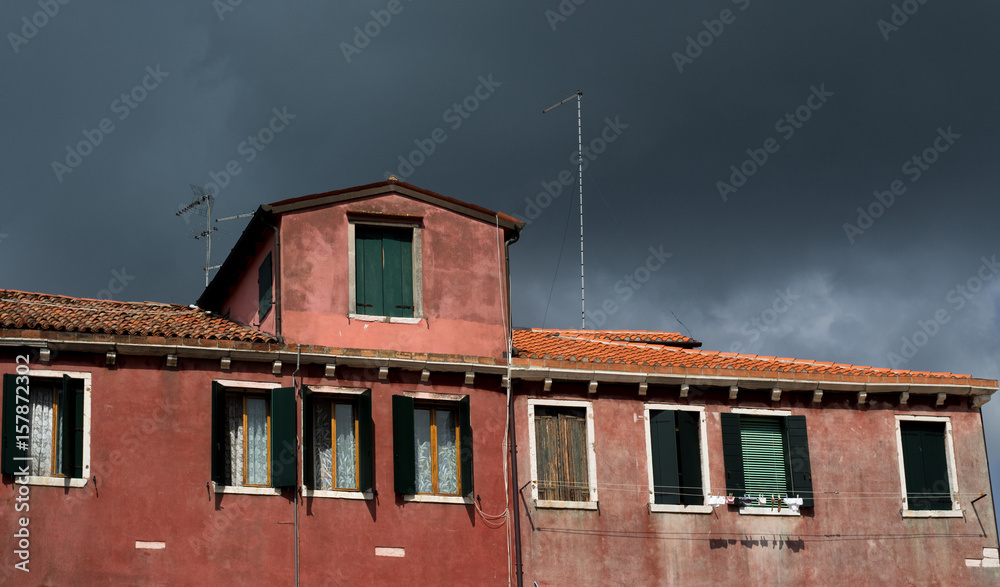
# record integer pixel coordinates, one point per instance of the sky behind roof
(730, 146)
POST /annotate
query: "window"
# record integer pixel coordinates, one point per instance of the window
(927, 466)
(46, 427)
(337, 442)
(432, 446)
(383, 269)
(766, 456)
(265, 287)
(678, 467)
(561, 436)
(253, 435)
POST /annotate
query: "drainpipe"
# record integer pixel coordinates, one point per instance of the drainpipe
(295, 491)
(518, 571)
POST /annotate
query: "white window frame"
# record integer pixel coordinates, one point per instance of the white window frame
(752, 511)
(591, 459)
(702, 448)
(77, 482)
(418, 289)
(236, 385)
(344, 393)
(956, 507)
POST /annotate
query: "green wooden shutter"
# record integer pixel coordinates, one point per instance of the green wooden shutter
(366, 442)
(732, 454)
(219, 431)
(689, 457)
(798, 455)
(925, 466)
(368, 270)
(264, 286)
(765, 466)
(67, 403)
(283, 457)
(403, 450)
(308, 438)
(465, 447)
(663, 438)
(13, 458)
(78, 394)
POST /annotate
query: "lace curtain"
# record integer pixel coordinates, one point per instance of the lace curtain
(41, 431)
(346, 446)
(256, 441)
(446, 451)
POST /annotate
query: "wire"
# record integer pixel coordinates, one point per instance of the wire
(555, 274)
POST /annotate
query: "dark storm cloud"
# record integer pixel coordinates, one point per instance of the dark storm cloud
(695, 86)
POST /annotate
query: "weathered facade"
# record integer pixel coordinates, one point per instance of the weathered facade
(336, 410)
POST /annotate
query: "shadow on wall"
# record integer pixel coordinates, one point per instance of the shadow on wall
(763, 542)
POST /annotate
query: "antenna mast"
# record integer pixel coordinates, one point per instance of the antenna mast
(201, 197)
(579, 142)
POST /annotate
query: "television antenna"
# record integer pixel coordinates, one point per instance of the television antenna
(202, 198)
(579, 139)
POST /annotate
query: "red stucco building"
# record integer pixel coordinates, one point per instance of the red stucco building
(336, 408)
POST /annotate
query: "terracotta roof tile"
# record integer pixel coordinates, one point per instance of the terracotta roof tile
(44, 312)
(635, 348)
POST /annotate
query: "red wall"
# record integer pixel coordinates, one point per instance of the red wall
(846, 539)
(150, 451)
(243, 302)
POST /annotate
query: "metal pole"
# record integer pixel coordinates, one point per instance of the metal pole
(208, 230)
(579, 139)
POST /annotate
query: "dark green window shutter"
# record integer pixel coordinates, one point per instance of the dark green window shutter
(368, 270)
(689, 457)
(283, 427)
(732, 454)
(925, 466)
(465, 447)
(403, 451)
(219, 431)
(13, 458)
(397, 275)
(666, 478)
(78, 394)
(798, 456)
(72, 441)
(308, 432)
(366, 442)
(265, 291)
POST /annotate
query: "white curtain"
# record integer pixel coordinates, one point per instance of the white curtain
(41, 431)
(323, 455)
(447, 452)
(422, 442)
(257, 464)
(234, 441)
(346, 448)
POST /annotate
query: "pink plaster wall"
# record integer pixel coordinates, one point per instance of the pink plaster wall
(846, 539)
(242, 303)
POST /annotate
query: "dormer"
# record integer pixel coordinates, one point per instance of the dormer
(381, 266)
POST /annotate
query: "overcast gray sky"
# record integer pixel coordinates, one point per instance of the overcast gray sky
(112, 110)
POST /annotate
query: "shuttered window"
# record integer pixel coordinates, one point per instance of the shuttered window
(561, 453)
(383, 263)
(676, 457)
(43, 426)
(337, 441)
(432, 447)
(253, 437)
(265, 288)
(765, 456)
(925, 465)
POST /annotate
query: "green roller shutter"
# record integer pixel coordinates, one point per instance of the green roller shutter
(765, 467)
(732, 454)
(218, 431)
(689, 457)
(798, 456)
(925, 466)
(308, 439)
(403, 450)
(366, 442)
(283, 426)
(465, 447)
(13, 458)
(663, 438)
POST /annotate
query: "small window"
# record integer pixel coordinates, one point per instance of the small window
(265, 287)
(253, 437)
(338, 440)
(43, 426)
(383, 267)
(927, 464)
(766, 459)
(562, 438)
(432, 447)
(676, 452)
